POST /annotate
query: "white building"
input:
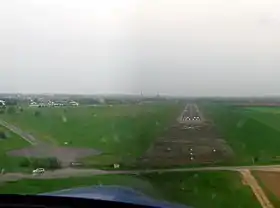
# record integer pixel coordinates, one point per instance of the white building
(50, 103)
(2, 103)
(74, 103)
(33, 104)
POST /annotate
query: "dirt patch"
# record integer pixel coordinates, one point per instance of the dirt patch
(64, 154)
(270, 181)
(190, 142)
(250, 180)
(41, 149)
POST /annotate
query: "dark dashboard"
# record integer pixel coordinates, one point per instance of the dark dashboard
(39, 201)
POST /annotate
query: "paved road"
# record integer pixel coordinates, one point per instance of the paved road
(248, 178)
(26, 136)
(191, 115)
(70, 172)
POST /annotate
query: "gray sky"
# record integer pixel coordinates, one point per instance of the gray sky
(179, 47)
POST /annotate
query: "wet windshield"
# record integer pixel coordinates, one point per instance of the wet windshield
(173, 100)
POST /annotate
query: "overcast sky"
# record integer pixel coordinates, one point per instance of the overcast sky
(179, 47)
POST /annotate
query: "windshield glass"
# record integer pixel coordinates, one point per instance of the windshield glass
(174, 100)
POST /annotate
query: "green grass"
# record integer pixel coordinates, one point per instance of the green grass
(35, 186)
(12, 142)
(274, 109)
(268, 116)
(251, 133)
(198, 189)
(204, 189)
(120, 131)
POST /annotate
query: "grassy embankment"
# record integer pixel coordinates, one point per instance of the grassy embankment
(251, 132)
(197, 189)
(12, 142)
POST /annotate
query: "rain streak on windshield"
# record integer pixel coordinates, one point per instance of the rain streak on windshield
(170, 101)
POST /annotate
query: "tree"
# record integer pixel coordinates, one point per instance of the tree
(54, 163)
(11, 102)
(47, 163)
(11, 110)
(255, 159)
(3, 135)
(25, 162)
(37, 113)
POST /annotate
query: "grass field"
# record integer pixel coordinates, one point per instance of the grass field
(200, 190)
(10, 143)
(124, 132)
(118, 131)
(269, 116)
(251, 132)
(273, 109)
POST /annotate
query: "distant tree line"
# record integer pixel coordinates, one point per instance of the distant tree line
(10, 101)
(50, 163)
(88, 101)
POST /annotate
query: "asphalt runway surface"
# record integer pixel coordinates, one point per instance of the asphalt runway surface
(191, 115)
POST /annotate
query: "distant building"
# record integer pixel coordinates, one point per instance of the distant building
(50, 103)
(42, 105)
(58, 104)
(2, 103)
(74, 103)
(33, 104)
